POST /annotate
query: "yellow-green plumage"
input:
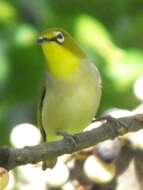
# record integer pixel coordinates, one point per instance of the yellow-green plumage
(72, 86)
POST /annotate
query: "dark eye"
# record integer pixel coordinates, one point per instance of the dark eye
(60, 37)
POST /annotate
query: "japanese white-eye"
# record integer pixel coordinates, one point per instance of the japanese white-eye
(71, 87)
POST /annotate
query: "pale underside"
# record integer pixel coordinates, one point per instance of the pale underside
(69, 106)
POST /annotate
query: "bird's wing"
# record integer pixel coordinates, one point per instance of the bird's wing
(48, 163)
(42, 93)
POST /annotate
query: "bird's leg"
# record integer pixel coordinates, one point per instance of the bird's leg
(70, 138)
(121, 126)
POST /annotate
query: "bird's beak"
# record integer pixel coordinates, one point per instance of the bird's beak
(42, 39)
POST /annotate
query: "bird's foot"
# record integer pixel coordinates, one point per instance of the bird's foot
(70, 138)
(121, 128)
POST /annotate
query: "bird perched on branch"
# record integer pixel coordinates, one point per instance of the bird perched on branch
(71, 88)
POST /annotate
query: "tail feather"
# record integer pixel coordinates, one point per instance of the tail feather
(49, 163)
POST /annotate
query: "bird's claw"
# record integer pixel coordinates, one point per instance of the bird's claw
(121, 126)
(70, 138)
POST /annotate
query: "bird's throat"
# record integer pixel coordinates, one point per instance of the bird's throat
(61, 63)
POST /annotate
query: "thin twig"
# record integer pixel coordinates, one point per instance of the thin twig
(13, 157)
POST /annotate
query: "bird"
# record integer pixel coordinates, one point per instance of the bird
(71, 87)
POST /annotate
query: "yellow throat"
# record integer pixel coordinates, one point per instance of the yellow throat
(62, 59)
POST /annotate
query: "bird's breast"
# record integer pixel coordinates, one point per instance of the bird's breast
(71, 107)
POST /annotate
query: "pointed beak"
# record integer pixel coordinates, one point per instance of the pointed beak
(42, 39)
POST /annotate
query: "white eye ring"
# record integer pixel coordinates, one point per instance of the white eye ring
(60, 37)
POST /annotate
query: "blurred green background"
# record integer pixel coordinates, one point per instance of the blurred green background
(111, 32)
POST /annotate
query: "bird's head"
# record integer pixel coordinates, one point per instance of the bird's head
(62, 53)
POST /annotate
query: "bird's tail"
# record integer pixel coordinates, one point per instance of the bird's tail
(49, 163)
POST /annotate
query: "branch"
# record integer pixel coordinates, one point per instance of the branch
(111, 128)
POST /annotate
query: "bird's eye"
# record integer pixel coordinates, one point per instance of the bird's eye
(60, 37)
